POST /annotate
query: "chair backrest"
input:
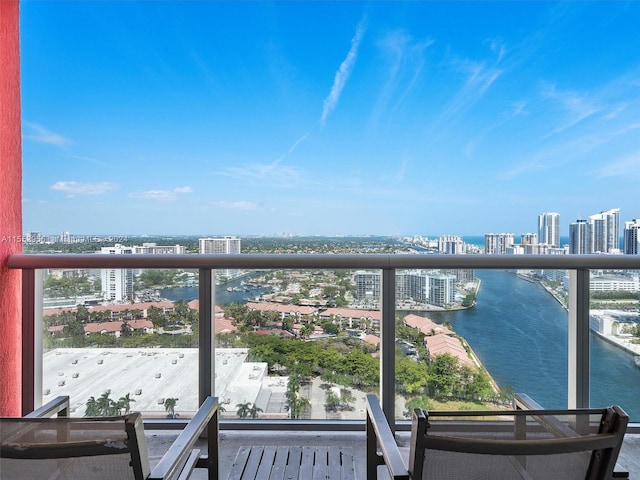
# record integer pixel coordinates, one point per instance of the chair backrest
(73, 448)
(531, 444)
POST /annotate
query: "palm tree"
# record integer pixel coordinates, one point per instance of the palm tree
(254, 410)
(170, 406)
(92, 408)
(125, 403)
(106, 406)
(243, 409)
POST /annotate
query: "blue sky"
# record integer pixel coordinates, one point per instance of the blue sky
(302, 117)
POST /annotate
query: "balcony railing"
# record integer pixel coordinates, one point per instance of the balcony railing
(579, 267)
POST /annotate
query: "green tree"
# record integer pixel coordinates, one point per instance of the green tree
(243, 409)
(254, 410)
(124, 403)
(91, 409)
(170, 406)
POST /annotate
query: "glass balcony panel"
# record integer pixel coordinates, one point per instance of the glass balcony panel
(112, 341)
(295, 348)
(499, 333)
(615, 341)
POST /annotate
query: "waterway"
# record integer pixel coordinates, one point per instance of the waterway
(519, 332)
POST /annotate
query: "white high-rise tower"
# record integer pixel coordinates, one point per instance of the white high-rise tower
(549, 229)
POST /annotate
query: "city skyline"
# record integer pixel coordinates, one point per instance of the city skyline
(327, 118)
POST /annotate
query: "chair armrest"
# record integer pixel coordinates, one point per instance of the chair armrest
(379, 434)
(203, 423)
(58, 406)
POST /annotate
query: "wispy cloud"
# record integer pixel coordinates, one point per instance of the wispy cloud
(342, 75)
(288, 152)
(38, 133)
(161, 194)
(480, 76)
(238, 205)
(621, 167)
(405, 63)
(270, 174)
(576, 106)
(77, 188)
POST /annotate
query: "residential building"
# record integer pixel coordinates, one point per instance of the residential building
(228, 245)
(451, 244)
(117, 283)
(155, 249)
(578, 238)
(631, 245)
(549, 228)
(497, 243)
(604, 231)
(442, 290)
(529, 239)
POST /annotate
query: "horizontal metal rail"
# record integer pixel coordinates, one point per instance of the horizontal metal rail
(346, 261)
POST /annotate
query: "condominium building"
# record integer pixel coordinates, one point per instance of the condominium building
(442, 290)
(549, 228)
(222, 245)
(497, 243)
(117, 283)
(529, 239)
(451, 244)
(226, 245)
(155, 249)
(578, 237)
(367, 285)
(604, 231)
(632, 237)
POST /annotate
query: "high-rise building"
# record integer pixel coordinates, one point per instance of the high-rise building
(155, 249)
(604, 231)
(117, 283)
(549, 228)
(497, 243)
(226, 245)
(222, 245)
(632, 237)
(451, 244)
(442, 290)
(578, 238)
(529, 239)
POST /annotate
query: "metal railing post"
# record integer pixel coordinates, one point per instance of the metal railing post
(32, 347)
(578, 348)
(388, 344)
(206, 340)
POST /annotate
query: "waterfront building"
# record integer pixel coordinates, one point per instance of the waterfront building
(529, 239)
(451, 244)
(549, 228)
(117, 283)
(229, 245)
(442, 290)
(497, 243)
(604, 231)
(631, 244)
(463, 275)
(578, 238)
(412, 285)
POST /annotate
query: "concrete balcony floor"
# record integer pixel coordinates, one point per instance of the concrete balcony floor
(231, 440)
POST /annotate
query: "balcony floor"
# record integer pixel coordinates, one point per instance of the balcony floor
(231, 440)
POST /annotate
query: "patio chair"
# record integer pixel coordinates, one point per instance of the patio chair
(40, 447)
(502, 445)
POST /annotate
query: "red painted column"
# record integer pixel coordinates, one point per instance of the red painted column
(10, 209)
